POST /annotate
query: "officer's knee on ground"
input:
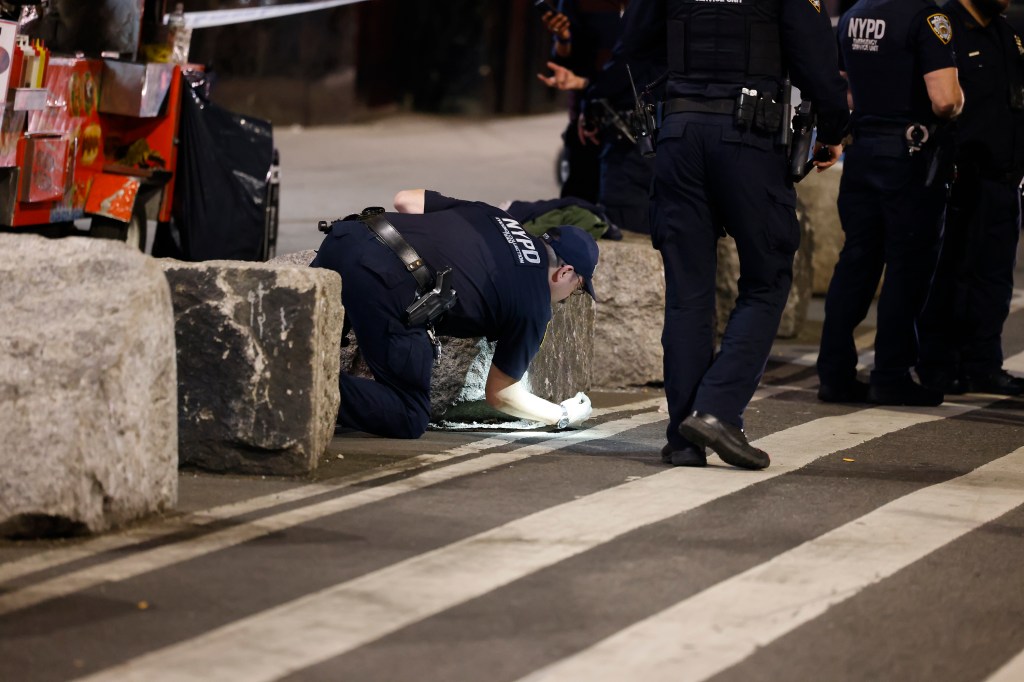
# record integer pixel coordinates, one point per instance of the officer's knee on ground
(414, 425)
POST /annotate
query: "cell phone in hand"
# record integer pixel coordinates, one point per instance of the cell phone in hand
(545, 6)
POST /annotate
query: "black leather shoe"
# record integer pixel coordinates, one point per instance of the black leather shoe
(848, 392)
(999, 382)
(727, 440)
(948, 384)
(907, 392)
(686, 456)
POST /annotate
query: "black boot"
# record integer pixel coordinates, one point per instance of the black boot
(854, 391)
(905, 392)
(999, 382)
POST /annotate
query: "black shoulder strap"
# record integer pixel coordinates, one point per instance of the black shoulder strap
(391, 238)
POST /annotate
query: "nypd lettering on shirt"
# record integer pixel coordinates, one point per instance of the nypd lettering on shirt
(523, 248)
(865, 34)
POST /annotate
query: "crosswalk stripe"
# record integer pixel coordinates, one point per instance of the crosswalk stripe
(41, 561)
(166, 555)
(715, 629)
(330, 622)
(1013, 671)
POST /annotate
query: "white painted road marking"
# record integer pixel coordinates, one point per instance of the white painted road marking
(42, 561)
(55, 557)
(166, 555)
(330, 622)
(717, 628)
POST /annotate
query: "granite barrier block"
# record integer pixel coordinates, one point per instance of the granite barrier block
(258, 364)
(88, 390)
(817, 197)
(630, 283)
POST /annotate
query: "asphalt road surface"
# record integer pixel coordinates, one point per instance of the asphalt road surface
(881, 544)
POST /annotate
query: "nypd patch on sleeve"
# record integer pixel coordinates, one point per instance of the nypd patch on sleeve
(940, 26)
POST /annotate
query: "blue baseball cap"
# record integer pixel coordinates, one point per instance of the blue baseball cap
(578, 249)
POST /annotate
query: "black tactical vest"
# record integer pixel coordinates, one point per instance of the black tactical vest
(724, 42)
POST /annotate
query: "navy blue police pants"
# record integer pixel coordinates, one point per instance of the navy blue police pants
(962, 325)
(704, 185)
(375, 290)
(891, 221)
(626, 186)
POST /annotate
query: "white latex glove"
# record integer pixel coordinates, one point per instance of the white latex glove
(578, 407)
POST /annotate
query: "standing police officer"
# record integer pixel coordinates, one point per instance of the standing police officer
(505, 282)
(604, 108)
(898, 58)
(607, 107)
(961, 328)
(721, 168)
(584, 33)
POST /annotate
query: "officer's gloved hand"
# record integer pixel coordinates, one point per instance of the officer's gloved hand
(578, 407)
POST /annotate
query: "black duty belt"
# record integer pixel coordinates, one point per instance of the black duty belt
(881, 130)
(435, 297)
(681, 105)
(391, 238)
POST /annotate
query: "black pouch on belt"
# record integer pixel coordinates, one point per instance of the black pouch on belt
(434, 295)
(767, 115)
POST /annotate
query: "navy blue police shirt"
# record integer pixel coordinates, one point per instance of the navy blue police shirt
(500, 275)
(886, 48)
(990, 59)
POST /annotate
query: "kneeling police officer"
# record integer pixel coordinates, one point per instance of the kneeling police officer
(455, 268)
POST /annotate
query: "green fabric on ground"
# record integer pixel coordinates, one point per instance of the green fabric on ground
(569, 215)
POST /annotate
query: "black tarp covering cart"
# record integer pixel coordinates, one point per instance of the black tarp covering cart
(225, 204)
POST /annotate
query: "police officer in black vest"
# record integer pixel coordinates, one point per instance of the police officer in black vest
(721, 168)
(961, 328)
(899, 61)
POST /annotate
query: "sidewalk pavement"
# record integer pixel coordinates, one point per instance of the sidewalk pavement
(329, 172)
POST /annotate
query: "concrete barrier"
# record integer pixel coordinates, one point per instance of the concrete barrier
(817, 197)
(630, 283)
(88, 396)
(257, 364)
